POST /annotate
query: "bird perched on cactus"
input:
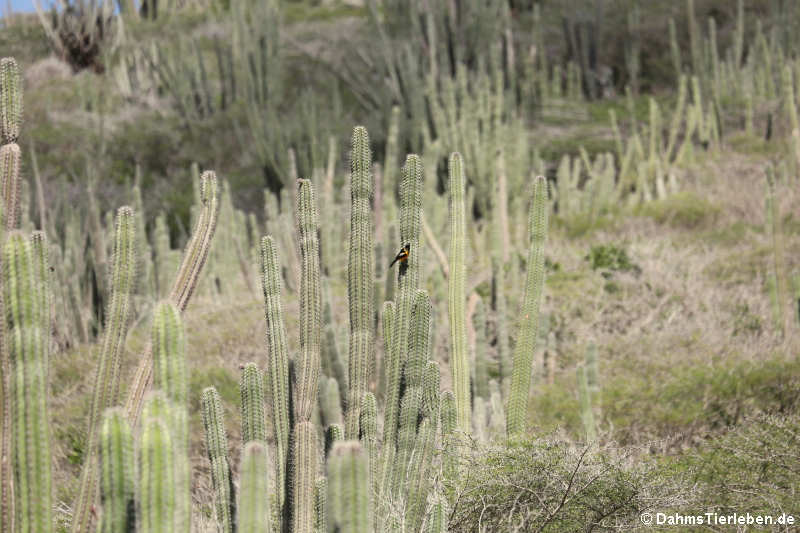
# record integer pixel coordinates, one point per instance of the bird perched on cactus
(402, 256)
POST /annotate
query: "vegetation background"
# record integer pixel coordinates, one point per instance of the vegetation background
(665, 374)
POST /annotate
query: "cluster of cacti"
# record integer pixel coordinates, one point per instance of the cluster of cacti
(373, 484)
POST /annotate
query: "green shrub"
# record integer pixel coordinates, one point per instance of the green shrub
(685, 210)
(545, 484)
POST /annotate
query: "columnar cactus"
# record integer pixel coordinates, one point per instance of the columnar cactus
(277, 359)
(157, 489)
(116, 474)
(458, 294)
(408, 281)
(368, 425)
(217, 447)
(360, 278)
(251, 386)
(10, 157)
(106, 383)
(321, 505)
(436, 520)
(330, 402)
(387, 325)
(10, 101)
(585, 396)
(253, 486)
(310, 303)
(529, 319)
(349, 506)
(449, 419)
(304, 475)
(418, 477)
(169, 376)
(27, 346)
(430, 390)
(333, 434)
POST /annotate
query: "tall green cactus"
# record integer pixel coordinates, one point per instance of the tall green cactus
(116, 474)
(457, 293)
(10, 100)
(304, 475)
(157, 491)
(169, 376)
(310, 302)
(349, 505)
(408, 281)
(251, 387)
(106, 383)
(253, 486)
(436, 520)
(194, 258)
(27, 346)
(10, 184)
(217, 447)
(430, 391)
(360, 277)
(277, 359)
(529, 319)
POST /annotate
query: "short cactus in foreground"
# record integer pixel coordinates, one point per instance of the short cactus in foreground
(116, 474)
(157, 489)
(217, 448)
(529, 319)
(349, 506)
(27, 348)
(253, 486)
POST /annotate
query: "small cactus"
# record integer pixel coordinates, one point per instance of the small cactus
(217, 448)
(116, 474)
(349, 506)
(156, 478)
(10, 100)
(251, 386)
(254, 485)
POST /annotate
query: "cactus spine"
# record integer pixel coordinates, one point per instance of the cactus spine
(529, 319)
(457, 293)
(349, 506)
(116, 474)
(277, 359)
(360, 278)
(26, 346)
(106, 384)
(217, 447)
(254, 485)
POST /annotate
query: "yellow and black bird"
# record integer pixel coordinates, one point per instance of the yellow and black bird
(402, 256)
